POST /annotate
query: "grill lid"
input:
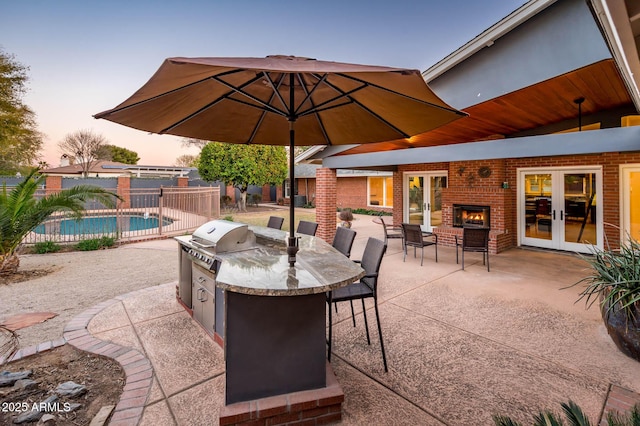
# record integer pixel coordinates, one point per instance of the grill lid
(223, 236)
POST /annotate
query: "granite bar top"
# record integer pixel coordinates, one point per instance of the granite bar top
(265, 271)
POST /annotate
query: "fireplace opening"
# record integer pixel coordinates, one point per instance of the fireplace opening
(471, 216)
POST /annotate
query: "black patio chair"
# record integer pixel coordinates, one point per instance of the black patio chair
(307, 228)
(275, 222)
(367, 287)
(390, 231)
(343, 241)
(474, 240)
(415, 237)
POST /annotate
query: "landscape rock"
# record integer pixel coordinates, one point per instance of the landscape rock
(70, 389)
(73, 407)
(8, 378)
(48, 420)
(25, 384)
(35, 414)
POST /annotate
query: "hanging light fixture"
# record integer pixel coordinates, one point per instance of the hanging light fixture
(579, 101)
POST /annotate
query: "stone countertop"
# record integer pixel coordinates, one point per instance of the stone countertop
(265, 271)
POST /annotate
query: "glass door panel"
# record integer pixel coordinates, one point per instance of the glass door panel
(435, 199)
(538, 206)
(416, 202)
(579, 215)
(630, 208)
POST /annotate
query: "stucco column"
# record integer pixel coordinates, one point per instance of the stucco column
(326, 202)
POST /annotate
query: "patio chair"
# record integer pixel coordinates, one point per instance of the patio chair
(543, 215)
(367, 287)
(474, 240)
(307, 228)
(390, 231)
(413, 236)
(343, 241)
(275, 222)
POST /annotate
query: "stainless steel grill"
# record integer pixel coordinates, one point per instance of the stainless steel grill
(216, 236)
(199, 266)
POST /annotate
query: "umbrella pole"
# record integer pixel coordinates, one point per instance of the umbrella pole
(292, 247)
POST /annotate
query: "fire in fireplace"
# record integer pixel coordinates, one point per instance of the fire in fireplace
(471, 216)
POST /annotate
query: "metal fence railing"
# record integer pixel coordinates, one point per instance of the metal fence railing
(142, 213)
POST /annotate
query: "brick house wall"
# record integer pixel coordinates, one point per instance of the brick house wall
(464, 186)
(326, 202)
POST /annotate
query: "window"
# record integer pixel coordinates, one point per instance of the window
(287, 189)
(380, 191)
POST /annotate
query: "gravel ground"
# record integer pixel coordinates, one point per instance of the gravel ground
(81, 280)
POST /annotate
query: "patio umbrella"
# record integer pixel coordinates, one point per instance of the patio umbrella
(283, 100)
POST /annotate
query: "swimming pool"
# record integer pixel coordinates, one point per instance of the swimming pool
(102, 224)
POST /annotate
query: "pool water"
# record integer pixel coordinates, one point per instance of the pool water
(100, 225)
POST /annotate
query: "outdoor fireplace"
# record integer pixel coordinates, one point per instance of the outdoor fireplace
(471, 216)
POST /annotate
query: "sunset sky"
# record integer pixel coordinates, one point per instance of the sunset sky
(85, 57)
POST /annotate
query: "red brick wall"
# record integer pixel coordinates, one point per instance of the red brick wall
(123, 190)
(465, 186)
(183, 182)
(326, 216)
(307, 187)
(266, 193)
(53, 184)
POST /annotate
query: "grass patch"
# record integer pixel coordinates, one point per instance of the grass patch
(261, 218)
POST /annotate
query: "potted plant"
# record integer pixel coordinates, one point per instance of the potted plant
(346, 216)
(615, 283)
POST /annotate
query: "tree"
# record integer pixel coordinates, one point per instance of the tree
(84, 146)
(187, 160)
(21, 212)
(243, 165)
(20, 142)
(116, 153)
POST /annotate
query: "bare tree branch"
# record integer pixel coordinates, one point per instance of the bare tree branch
(84, 146)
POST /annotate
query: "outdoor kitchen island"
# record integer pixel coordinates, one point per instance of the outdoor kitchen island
(274, 323)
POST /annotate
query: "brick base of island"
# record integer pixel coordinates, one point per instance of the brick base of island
(310, 407)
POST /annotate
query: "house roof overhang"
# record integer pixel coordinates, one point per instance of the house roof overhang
(549, 105)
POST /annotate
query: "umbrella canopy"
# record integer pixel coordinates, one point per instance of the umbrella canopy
(283, 100)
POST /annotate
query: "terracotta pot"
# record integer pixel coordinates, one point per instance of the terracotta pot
(625, 334)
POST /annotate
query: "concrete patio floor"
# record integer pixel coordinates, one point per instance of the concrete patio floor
(461, 345)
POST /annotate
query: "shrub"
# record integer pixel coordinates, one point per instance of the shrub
(225, 200)
(95, 243)
(229, 218)
(46, 247)
(255, 199)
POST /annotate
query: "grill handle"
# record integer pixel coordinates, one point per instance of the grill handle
(197, 244)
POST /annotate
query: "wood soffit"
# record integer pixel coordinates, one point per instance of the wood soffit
(545, 103)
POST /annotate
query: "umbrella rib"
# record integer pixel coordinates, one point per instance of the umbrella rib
(264, 112)
(347, 96)
(264, 107)
(308, 98)
(153, 98)
(239, 90)
(276, 91)
(464, 114)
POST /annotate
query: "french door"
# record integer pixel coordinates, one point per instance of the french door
(423, 198)
(630, 201)
(559, 209)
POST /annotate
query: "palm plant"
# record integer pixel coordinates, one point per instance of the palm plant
(21, 212)
(574, 416)
(615, 275)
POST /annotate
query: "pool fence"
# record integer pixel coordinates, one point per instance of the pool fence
(142, 213)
